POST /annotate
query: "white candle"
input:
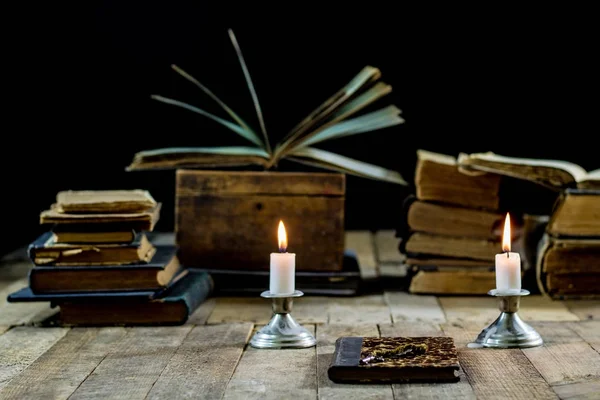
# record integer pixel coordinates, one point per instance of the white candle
(283, 266)
(508, 264)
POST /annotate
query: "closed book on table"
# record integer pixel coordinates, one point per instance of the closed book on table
(171, 306)
(140, 221)
(154, 275)
(104, 201)
(394, 360)
(46, 251)
(87, 236)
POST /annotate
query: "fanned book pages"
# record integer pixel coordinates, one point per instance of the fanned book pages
(394, 360)
(554, 174)
(335, 118)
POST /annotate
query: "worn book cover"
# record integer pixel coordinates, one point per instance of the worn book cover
(46, 251)
(153, 275)
(170, 306)
(104, 201)
(394, 360)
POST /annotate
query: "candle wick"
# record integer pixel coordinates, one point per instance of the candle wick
(507, 254)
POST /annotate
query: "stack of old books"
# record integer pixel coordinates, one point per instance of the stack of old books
(99, 265)
(568, 256)
(452, 228)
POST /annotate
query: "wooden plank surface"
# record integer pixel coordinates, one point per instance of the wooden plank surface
(497, 373)
(588, 331)
(326, 337)
(485, 309)
(275, 374)
(134, 364)
(362, 310)
(362, 243)
(21, 346)
(204, 363)
(409, 307)
(565, 357)
(19, 313)
(386, 247)
(458, 390)
(60, 370)
(202, 313)
(584, 309)
(589, 390)
(306, 310)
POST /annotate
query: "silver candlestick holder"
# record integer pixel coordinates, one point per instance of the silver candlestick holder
(509, 330)
(282, 331)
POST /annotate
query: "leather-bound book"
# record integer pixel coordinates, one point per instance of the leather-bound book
(394, 360)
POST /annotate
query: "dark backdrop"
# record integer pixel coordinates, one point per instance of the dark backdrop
(77, 85)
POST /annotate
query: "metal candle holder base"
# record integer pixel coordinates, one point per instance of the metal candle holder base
(282, 331)
(509, 330)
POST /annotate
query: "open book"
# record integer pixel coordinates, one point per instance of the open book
(335, 118)
(555, 174)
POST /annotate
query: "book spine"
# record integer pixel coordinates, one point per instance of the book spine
(201, 289)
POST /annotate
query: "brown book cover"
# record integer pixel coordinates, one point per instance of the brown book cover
(453, 282)
(87, 237)
(449, 220)
(568, 268)
(421, 243)
(45, 251)
(394, 360)
(104, 201)
(154, 275)
(138, 221)
(576, 213)
(438, 179)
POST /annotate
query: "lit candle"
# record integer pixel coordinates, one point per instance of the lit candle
(508, 264)
(283, 266)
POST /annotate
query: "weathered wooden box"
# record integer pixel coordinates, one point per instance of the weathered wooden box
(229, 220)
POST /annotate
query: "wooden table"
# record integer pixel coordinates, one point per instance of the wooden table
(209, 357)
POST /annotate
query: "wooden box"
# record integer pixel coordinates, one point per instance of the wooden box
(229, 220)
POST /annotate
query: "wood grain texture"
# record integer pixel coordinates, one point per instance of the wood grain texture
(326, 337)
(459, 390)
(565, 357)
(193, 182)
(60, 370)
(203, 364)
(410, 307)
(134, 364)
(485, 309)
(275, 374)
(21, 346)
(202, 313)
(588, 331)
(362, 243)
(364, 310)
(584, 309)
(19, 313)
(386, 247)
(229, 220)
(497, 373)
(589, 390)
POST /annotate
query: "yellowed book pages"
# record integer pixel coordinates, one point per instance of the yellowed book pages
(100, 201)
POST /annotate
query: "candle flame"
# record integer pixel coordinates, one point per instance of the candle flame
(506, 236)
(282, 237)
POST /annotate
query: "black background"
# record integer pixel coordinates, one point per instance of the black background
(77, 85)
